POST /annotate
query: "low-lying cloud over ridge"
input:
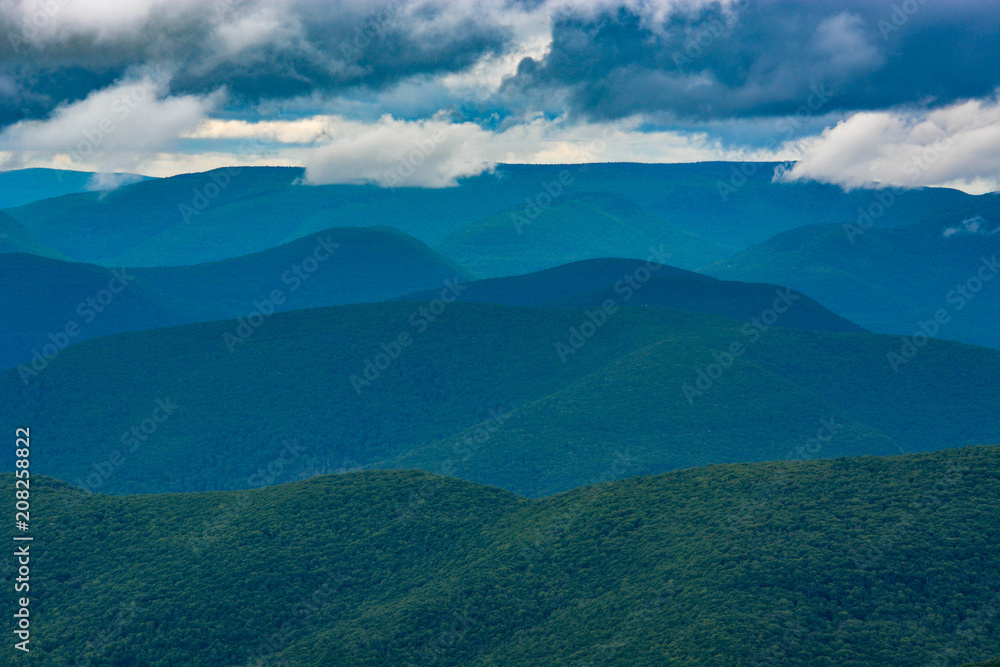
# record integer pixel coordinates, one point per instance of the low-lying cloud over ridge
(954, 146)
(713, 80)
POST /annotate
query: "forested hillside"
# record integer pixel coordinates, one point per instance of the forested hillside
(863, 561)
(536, 400)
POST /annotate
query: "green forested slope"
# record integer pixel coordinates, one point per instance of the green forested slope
(204, 217)
(590, 283)
(861, 561)
(891, 280)
(506, 396)
(40, 298)
(23, 186)
(15, 238)
(575, 228)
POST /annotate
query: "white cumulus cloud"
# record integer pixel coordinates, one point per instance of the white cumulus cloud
(954, 146)
(426, 153)
(437, 152)
(113, 129)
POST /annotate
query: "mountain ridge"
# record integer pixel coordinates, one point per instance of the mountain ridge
(802, 563)
(43, 297)
(201, 217)
(397, 384)
(591, 283)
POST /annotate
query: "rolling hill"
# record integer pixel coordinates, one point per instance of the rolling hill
(575, 227)
(24, 186)
(49, 304)
(890, 280)
(536, 400)
(591, 283)
(335, 266)
(865, 561)
(15, 238)
(693, 209)
(43, 301)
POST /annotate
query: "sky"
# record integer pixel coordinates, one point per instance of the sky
(422, 93)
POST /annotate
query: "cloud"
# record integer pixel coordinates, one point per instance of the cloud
(348, 87)
(103, 182)
(114, 127)
(953, 146)
(713, 61)
(975, 226)
(436, 152)
(843, 42)
(672, 60)
(62, 50)
(431, 153)
(51, 20)
(258, 29)
(299, 131)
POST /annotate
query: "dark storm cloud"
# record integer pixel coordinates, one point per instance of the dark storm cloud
(373, 49)
(257, 49)
(691, 62)
(767, 58)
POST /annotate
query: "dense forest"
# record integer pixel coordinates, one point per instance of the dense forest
(850, 561)
(483, 392)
